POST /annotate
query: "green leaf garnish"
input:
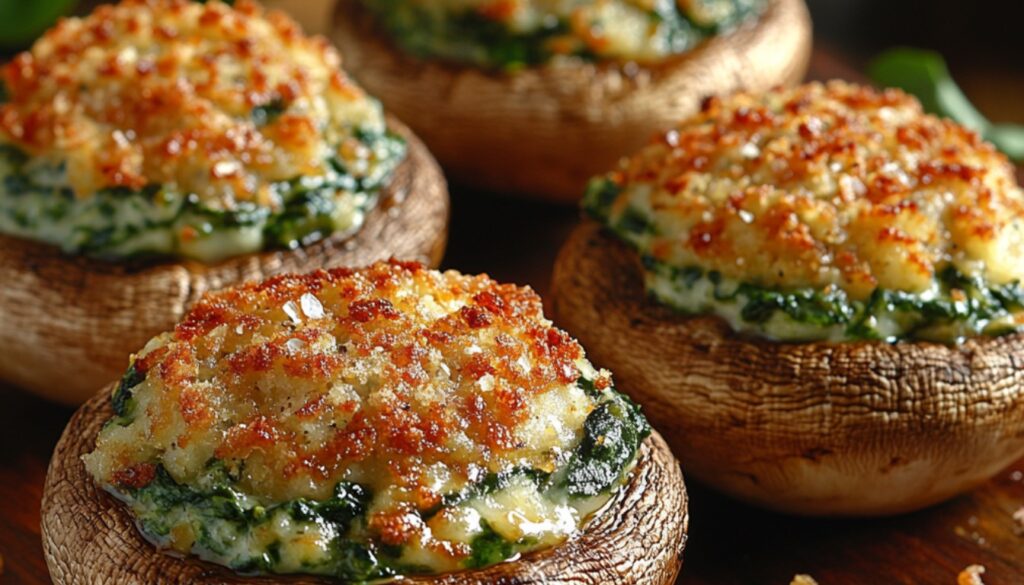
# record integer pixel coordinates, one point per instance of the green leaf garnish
(925, 75)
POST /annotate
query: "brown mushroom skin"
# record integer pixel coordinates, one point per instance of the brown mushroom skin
(545, 131)
(853, 429)
(89, 537)
(68, 324)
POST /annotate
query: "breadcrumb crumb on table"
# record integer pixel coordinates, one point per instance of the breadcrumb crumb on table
(1018, 519)
(971, 576)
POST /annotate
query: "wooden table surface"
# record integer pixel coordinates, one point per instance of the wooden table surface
(729, 543)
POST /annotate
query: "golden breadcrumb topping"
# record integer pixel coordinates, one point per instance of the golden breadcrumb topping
(409, 381)
(203, 98)
(824, 185)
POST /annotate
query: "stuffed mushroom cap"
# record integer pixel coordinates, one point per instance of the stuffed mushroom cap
(816, 293)
(364, 424)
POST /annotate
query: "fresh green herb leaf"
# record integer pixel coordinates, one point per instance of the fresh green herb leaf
(925, 75)
(1009, 138)
(24, 20)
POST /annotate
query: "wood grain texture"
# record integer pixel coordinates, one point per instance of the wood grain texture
(90, 538)
(860, 428)
(88, 316)
(929, 547)
(545, 131)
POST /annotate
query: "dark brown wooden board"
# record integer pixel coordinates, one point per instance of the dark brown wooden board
(732, 544)
(729, 543)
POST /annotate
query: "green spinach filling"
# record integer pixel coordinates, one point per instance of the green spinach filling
(119, 223)
(960, 305)
(464, 35)
(252, 536)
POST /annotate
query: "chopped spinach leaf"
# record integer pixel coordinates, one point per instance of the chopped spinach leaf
(488, 548)
(121, 401)
(357, 562)
(223, 516)
(634, 221)
(588, 386)
(612, 435)
(966, 304)
(597, 201)
(804, 306)
(350, 501)
(269, 112)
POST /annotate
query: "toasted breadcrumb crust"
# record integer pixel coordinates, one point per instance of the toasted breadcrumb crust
(168, 91)
(826, 185)
(412, 382)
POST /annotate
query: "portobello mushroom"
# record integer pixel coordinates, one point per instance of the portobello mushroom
(823, 320)
(447, 423)
(517, 121)
(134, 180)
